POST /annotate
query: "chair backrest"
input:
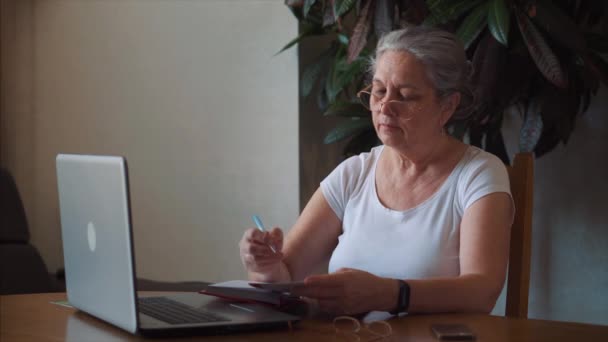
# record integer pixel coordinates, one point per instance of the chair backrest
(22, 270)
(521, 176)
(13, 224)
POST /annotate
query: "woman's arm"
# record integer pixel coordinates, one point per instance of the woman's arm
(485, 233)
(313, 238)
(309, 242)
(484, 249)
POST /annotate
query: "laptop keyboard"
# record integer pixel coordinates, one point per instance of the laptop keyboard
(173, 312)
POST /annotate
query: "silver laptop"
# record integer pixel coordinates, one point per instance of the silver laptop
(100, 267)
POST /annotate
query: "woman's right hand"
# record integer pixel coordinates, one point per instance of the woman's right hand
(256, 255)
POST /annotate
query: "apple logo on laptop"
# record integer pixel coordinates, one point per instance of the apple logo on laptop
(91, 236)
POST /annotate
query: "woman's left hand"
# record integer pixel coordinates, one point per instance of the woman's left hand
(350, 291)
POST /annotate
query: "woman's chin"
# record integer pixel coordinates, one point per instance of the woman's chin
(390, 136)
(391, 141)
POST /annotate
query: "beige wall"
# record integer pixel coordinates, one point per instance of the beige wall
(188, 91)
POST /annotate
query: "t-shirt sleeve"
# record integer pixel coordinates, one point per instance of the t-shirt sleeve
(339, 185)
(485, 174)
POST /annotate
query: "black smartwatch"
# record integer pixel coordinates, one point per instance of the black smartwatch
(403, 299)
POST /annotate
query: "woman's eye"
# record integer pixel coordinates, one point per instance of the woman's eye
(378, 92)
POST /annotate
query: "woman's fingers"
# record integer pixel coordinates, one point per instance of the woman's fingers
(254, 234)
(255, 250)
(272, 238)
(275, 238)
(262, 260)
(259, 249)
(321, 287)
(347, 291)
(256, 242)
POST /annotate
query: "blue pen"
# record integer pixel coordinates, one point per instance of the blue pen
(260, 225)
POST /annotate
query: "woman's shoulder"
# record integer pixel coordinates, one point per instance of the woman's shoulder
(348, 179)
(481, 169)
(355, 170)
(364, 161)
(476, 158)
(482, 174)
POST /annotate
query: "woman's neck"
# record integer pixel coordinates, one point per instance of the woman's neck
(417, 161)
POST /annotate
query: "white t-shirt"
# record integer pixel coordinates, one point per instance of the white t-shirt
(421, 242)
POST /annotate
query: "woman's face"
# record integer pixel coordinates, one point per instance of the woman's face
(405, 108)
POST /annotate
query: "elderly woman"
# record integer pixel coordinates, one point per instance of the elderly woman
(418, 224)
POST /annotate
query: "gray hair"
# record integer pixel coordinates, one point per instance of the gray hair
(444, 57)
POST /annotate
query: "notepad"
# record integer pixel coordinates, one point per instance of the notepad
(242, 290)
(280, 287)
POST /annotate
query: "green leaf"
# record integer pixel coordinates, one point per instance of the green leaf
(311, 71)
(347, 129)
(343, 39)
(309, 76)
(332, 88)
(444, 11)
(498, 20)
(347, 73)
(541, 53)
(322, 100)
(343, 6)
(348, 109)
(306, 31)
(472, 25)
(307, 5)
(432, 4)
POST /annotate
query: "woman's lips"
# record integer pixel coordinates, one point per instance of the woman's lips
(388, 126)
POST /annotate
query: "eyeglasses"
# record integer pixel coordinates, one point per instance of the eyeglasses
(365, 96)
(349, 328)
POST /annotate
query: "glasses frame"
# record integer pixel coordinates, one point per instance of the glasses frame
(368, 106)
(358, 327)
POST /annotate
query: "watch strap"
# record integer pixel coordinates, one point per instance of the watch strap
(403, 298)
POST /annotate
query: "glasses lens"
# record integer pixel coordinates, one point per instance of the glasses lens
(364, 98)
(344, 324)
(380, 328)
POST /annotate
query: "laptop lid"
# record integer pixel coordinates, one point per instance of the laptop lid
(97, 241)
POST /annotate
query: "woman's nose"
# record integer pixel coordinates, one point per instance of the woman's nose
(385, 108)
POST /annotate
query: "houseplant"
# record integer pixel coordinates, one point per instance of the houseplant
(543, 59)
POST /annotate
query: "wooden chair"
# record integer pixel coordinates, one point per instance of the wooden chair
(521, 176)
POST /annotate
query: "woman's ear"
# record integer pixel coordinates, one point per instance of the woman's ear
(448, 107)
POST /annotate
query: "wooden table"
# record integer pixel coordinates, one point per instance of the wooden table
(26, 318)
